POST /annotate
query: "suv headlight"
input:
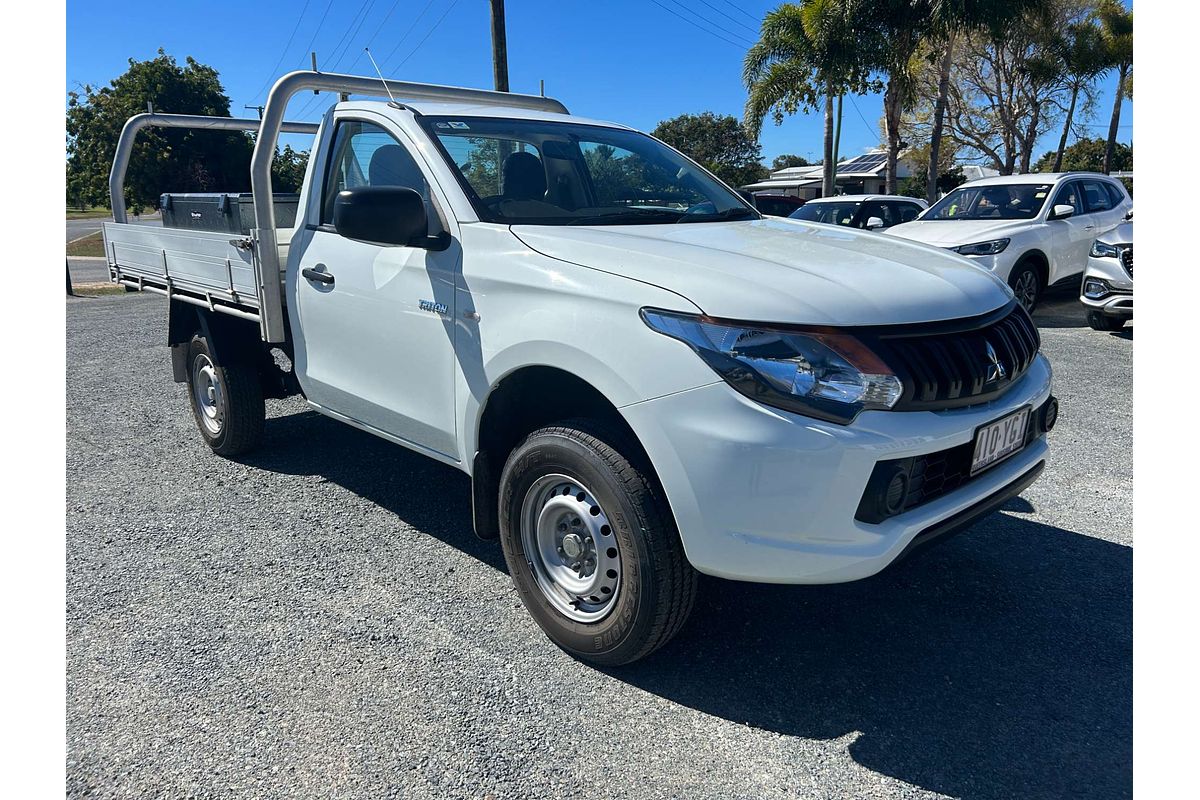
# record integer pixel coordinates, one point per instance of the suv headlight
(815, 372)
(990, 248)
(1102, 250)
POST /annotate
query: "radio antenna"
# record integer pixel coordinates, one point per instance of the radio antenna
(382, 79)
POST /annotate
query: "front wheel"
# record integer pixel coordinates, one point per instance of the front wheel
(227, 401)
(1026, 283)
(591, 544)
(1103, 322)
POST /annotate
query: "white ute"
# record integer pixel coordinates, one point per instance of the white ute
(644, 378)
(1032, 231)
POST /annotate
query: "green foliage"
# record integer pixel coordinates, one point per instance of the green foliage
(163, 159)
(914, 185)
(287, 169)
(1088, 155)
(719, 143)
(787, 160)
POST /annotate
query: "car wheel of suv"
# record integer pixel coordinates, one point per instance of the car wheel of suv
(591, 544)
(1026, 283)
(1103, 322)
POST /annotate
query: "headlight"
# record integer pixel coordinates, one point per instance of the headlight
(828, 375)
(1094, 288)
(983, 248)
(1102, 250)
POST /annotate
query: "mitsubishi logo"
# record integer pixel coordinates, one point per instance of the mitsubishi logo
(996, 370)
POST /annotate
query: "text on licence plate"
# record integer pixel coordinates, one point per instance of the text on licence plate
(1000, 439)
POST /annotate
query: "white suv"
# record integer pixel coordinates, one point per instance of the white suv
(1032, 231)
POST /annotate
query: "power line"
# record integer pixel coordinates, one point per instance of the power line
(316, 33)
(271, 73)
(741, 38)
(870, 131)
(411, 28)
(693, 23)
(427, 35)
(726, 16)
(371, 41)
(738, 8)
(316, 97)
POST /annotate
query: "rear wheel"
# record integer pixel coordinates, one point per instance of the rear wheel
(227, 401)
(591, 544)
(1026, 282)
(1103, 322)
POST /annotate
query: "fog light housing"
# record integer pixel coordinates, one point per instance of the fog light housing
(1094, 288)
(886, 492)
(1049, 414)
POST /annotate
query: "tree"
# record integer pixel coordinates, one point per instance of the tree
(1084, 56)
(1088, 155)
(807, 54)
(287, 169)
(719, 143)
(1116, 25)
(162, 159)
(788, 160)
(949, 174)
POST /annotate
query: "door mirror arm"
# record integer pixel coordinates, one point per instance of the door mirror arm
(1062, 211)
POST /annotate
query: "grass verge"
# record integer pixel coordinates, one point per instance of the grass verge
(88, 246)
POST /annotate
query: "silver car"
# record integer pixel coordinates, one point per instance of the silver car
(1107, 290)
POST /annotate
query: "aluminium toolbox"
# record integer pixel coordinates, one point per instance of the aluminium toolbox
(225, 212)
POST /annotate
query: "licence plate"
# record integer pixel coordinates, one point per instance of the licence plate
(998, 440)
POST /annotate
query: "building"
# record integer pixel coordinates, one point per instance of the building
(865, 174)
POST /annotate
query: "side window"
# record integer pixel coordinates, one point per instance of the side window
(497, 167)
(1068, 195)
(877, 209)
(1114, 193)
(1096, 197)
(364, 154)
(905, 212)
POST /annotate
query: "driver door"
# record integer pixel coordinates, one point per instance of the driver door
(375, 343)
(1072, 237)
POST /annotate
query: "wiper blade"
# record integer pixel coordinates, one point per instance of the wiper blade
(728, 215)
(646, 216)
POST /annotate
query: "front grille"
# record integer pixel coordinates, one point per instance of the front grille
(960, 363)
(1127, 259)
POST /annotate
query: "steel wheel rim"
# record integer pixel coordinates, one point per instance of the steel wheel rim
(208, 393)
(1026, 289)
(570, 547)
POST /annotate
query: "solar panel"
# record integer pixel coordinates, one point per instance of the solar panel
(867, 163)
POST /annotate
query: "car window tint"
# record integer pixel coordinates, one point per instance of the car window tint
(877, 209)
(1069, 195)
(905, 212)
(364, 154)
(1095, 197)
(1114, 193)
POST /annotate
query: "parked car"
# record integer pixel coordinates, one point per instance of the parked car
(777, 205)
(1032, 231)
(638, 394)
(1107, 289)
(872, 212)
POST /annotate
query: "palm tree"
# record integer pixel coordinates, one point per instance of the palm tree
(1084, 57)
(1116, 25)
(807, 55)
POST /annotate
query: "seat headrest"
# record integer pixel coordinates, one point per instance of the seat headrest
(524, 178)
(391, 165)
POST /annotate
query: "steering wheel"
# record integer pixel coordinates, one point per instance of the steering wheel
(703, 207)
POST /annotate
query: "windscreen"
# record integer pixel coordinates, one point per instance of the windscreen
(995, 201)
(519, 171)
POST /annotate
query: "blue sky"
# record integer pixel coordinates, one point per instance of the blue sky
(631, 61)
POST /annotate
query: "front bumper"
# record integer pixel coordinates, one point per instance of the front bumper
(763, 495)
(1118, 300)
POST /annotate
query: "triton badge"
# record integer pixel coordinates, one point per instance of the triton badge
(436, 308)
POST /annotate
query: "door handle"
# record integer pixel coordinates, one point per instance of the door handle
(317, 275)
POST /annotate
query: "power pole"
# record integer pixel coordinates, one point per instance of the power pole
(499, 46)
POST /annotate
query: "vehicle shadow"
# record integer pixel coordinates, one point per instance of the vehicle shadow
(1060, 308)
(997, 665)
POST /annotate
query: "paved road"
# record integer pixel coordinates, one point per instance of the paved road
(318, 620)
(88, 270)
(78, 228)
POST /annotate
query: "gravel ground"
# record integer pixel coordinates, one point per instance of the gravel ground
(318, 620)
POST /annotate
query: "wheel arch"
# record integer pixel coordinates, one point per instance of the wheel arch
(522, 401)
(1040, 260)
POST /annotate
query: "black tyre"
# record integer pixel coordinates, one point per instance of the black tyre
(591, 544)
(227, 401)
(1026, 282)
(1103, 322)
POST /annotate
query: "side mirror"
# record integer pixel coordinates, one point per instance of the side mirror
(1062, 211)
(874, 223)
(381, 214)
